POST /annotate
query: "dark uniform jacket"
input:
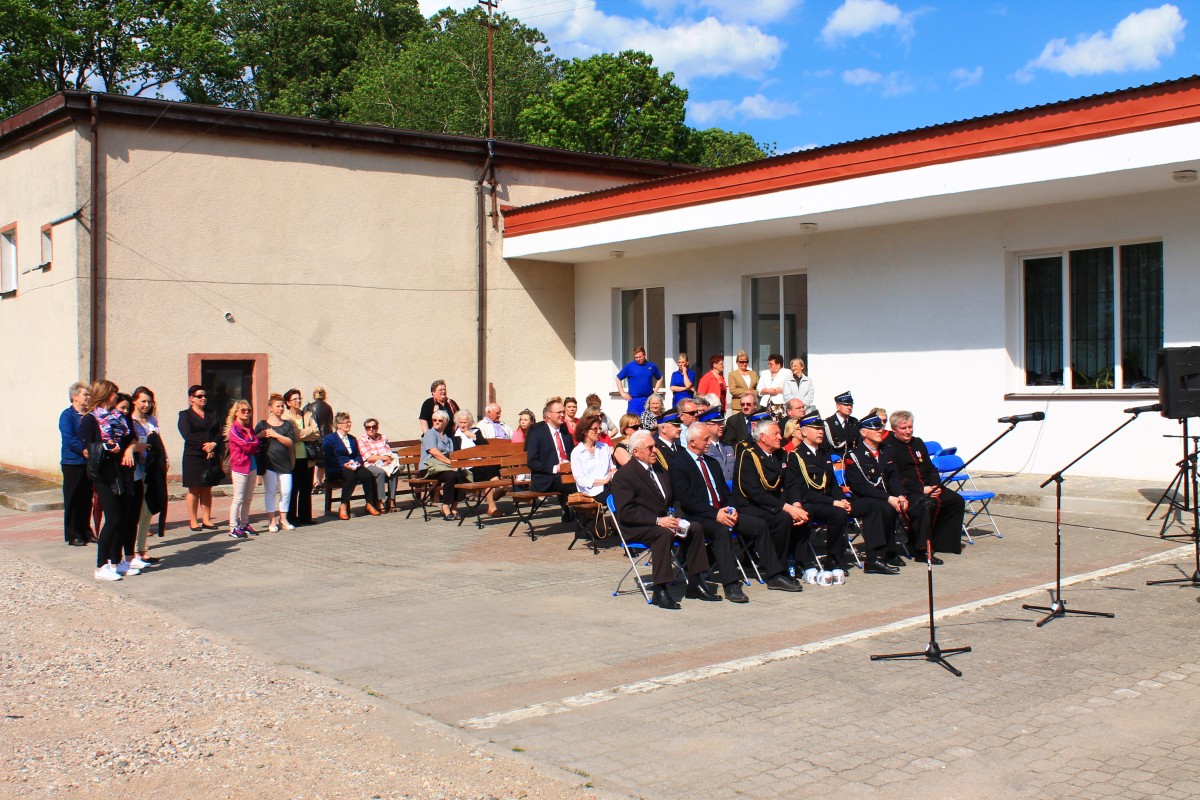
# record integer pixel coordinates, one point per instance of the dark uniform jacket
(914, 467)
(737, 429)
(821, 486)
(758, 478)
(842, 438)
(665, 458)
(869, 476)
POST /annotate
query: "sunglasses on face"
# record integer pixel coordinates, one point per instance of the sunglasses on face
(200, 396)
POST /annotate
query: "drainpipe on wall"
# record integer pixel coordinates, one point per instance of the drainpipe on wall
(489, 170)
(94, 266)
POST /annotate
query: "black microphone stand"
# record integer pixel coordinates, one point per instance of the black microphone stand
(1058, 607)
(934, 652)
(1189, 465)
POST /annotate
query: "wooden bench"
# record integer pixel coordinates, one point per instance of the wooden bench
(534, 499)
(407, 450)
(493, 454)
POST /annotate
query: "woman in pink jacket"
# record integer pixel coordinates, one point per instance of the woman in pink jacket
(243, 449)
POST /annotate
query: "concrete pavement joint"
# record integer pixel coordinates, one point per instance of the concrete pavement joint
(497, 719)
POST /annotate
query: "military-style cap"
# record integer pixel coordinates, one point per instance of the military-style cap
(713, 415)
(845, 398)
(669, 417)
(759, 416)
(812, 421)
(872, 423)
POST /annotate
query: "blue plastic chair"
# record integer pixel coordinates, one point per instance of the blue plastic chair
(642, 559)
(950, 467)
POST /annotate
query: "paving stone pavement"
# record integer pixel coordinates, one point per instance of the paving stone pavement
(460, 624)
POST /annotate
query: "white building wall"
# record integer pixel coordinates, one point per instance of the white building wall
(924, 316)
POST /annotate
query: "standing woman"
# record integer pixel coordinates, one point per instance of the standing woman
(243, 448)
(713, 381)
(307, 433)
(153, 465)
(322, 414)
(108, 439)
(742, 378)
(570, 412)
(199, 429)
(683, 380)
(77, 486)
(135, 478)
(279, 434)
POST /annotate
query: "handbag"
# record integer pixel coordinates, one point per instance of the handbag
(213, 473)
(316, 453)
(102, 466)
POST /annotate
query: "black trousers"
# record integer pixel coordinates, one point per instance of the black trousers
(885, 540)
(754, 535)
(938, 518)
(352, 479)
(129, 518)
(120, 515)
(660, 540)
(302, 483)
(786, 538)
(77, 502)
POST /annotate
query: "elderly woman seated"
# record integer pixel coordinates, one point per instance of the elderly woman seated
(436, 448)
(467, 436)
(344, 461)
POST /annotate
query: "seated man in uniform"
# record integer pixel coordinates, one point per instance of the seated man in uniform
(758, 492)
(809, 480)
(667, 440)
(869, 474)
(723, 453)
(704, 500)
(643, 500)
(843, 428)
(935, 512)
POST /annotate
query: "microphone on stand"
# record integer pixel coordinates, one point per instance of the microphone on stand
(1142, 409)
(1036, 416)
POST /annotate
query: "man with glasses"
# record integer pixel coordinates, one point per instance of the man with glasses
(644, 379)
(758, 486)
(843, 426)
(689, 412)
(643, 500)
(548, 447)
(737, 427)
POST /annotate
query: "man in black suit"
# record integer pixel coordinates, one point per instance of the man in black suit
(843, 426)
(810, 481)
(643, 500)
(548, 449)
(737, 426)
(934, 512)
(871, 474)
(703, 498)
(758, 492)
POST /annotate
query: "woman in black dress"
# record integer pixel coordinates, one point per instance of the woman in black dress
(199, 429)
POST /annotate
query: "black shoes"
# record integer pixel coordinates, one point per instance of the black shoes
(78, 543)
(734, 594)
(895, 560)
(877, 566)
(662, 599)
(700, 590)
(937, 562)
(784, 583)
(568, 515)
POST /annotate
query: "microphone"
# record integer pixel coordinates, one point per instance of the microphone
(1140, 409)
(1036, 416)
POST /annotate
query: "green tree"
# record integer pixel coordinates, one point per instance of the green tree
(716, 147)
(438, 81)
(617, 105)
(124, 46)
(299, 55)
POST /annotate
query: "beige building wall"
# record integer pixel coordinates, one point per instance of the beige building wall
(40, 323)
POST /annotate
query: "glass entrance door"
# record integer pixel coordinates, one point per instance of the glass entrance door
(702, 336)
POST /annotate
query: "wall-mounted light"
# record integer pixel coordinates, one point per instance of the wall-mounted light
(229, 316)
(808, 227)
(1184, 176)
(616, 253)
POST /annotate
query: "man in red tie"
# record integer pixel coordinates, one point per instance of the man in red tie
(702, 498)
(548, 448)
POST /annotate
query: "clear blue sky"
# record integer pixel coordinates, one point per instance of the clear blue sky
(813, 72)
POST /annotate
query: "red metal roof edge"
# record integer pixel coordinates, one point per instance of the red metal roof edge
(169, 113)
(1095, 116)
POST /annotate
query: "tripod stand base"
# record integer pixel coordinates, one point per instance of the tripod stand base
(1058, 608)
(1193, 581)
(932, 653)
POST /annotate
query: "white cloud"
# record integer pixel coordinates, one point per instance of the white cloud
(890, 85)
(857, 17)
(964, 77)
(1137, 42)
(755, 106)
(753, 11)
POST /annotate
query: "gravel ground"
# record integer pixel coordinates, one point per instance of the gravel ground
(101, 698)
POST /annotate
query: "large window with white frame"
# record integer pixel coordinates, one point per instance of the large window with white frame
(643, 323)
(779, 318)
(1093, 317)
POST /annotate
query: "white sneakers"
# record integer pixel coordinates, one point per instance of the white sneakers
(125, 568)
(287, 526)
(107, 573)
(138, 564)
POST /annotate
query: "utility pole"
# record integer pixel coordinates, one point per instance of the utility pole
(491, 7)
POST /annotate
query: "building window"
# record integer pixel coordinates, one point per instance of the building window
(1106, 301)
(779, 314)
(8, 259)
(47, 247)
(643, 322)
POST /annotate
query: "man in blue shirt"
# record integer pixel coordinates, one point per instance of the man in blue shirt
(644, 378)
(77, 488)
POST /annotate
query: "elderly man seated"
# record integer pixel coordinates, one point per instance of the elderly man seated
(935, 512)
(758, 492)
(703, 498)
(643, 501)
(343, 461)
(491, 426)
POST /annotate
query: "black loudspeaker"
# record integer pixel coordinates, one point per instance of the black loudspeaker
(1179, 382)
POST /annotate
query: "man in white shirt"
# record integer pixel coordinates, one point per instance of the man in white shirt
(491, 426)
(776, 384)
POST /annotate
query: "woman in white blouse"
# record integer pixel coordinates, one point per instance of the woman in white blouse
(591, 460)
